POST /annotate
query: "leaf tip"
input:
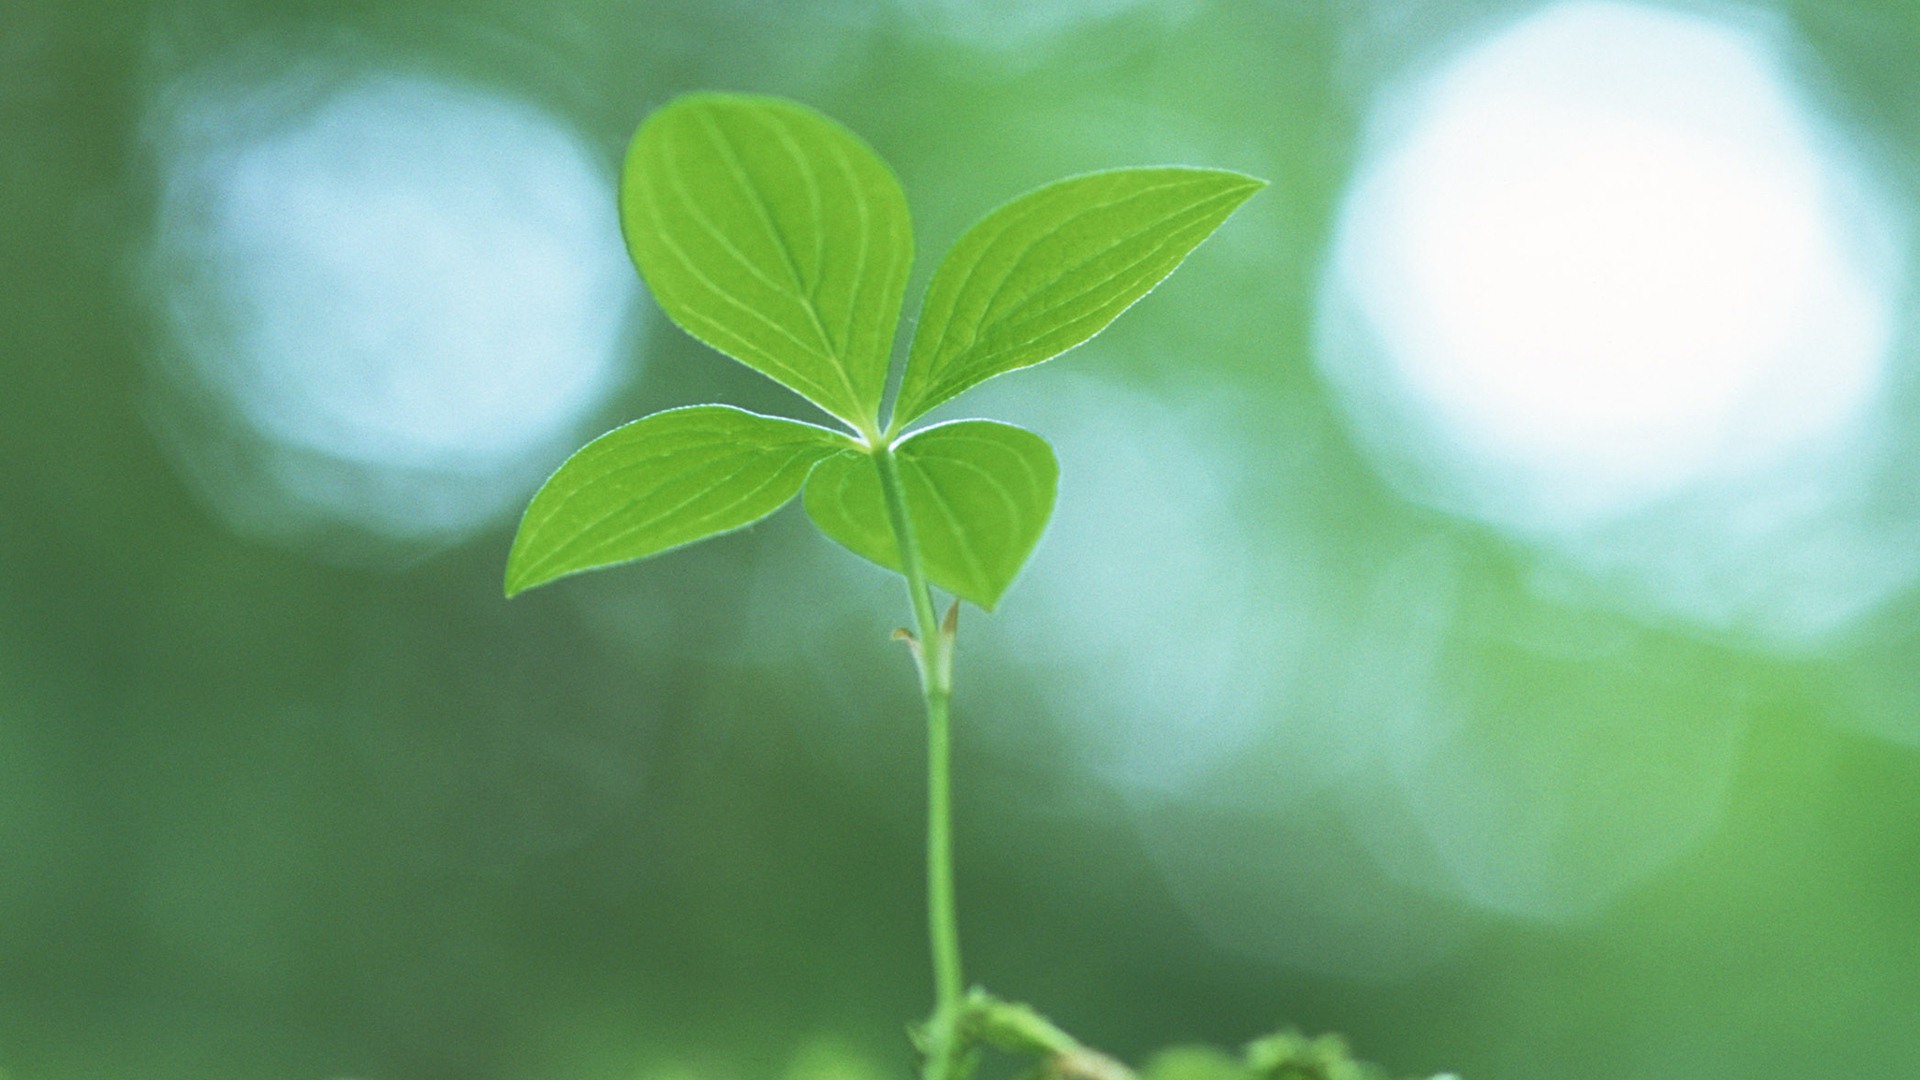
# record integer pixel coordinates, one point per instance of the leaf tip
(1247, 183)
(525, 571)
(515, 582)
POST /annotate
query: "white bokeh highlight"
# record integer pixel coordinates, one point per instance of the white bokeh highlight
(1607, 265)
(1609, 256)
(407, 293)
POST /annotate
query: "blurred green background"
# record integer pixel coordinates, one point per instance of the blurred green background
(1499, 756)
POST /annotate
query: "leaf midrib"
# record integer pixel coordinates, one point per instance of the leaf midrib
(945, 359)
(687, 262)
(585, 546)
(806, 292)
(982, 350)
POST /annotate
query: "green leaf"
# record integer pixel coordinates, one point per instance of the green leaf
(1289, 1055)
(1053, 268)
(1194, 1063)
(978, 493)
(776, 236)
(660, 482)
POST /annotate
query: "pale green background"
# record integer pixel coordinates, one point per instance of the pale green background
(331, 808)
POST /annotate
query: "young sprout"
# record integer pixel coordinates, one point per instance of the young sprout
(779, 238)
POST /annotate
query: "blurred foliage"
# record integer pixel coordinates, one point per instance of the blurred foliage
(1286, 1056)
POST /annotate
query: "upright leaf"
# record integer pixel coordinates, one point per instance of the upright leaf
(660, 482)
(776, 236)
(979, 494)
(1053, 267)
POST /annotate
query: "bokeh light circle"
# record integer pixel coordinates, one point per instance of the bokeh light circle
(394, 299)
(1607, 254)
(1608, 281)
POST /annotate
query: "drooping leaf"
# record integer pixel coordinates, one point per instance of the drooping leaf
(1053, 268)
(978, 493)
(776, 236)
(660, 482)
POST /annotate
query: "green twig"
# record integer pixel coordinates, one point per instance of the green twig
(1020, 1029)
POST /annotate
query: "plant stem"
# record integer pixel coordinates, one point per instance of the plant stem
(933, 653)
(943, 929)
(934, 669)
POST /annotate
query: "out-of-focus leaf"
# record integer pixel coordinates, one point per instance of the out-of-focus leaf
(1195, 1063)
(1289, 1055)
(1054, 267)
(978, 492)
(660, 482)
(827, 1058)
(776, 236)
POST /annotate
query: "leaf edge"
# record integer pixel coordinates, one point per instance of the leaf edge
(831, 441)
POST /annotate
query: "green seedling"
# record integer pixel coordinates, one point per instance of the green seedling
(779, 238)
